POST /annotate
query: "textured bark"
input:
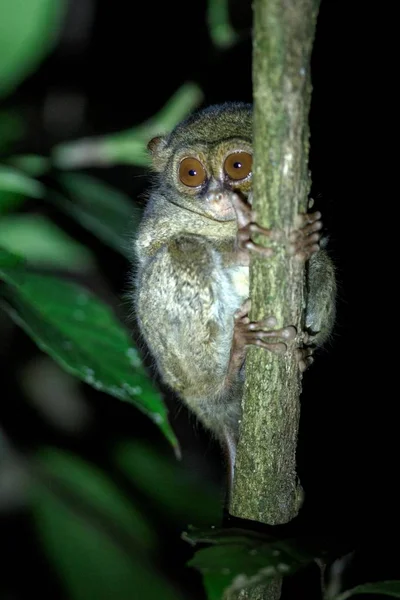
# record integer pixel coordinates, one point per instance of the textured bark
(266, 487)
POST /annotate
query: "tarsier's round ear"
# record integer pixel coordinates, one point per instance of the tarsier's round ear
(156, 147)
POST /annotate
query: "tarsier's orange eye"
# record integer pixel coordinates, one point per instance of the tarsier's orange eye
(238, 165)
(191, 172)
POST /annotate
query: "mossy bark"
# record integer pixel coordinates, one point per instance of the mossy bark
(266, 487)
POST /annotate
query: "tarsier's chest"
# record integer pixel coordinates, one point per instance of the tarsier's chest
(239, 277)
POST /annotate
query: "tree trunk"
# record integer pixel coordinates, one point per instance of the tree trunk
(266, 487)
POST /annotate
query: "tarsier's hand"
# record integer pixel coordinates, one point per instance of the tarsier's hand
(303, 241)
(247, 225)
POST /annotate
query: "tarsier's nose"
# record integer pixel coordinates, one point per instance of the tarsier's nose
(216, 194)
(215, 197)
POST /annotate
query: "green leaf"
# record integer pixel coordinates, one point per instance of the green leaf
(9, 202)
(100, 208)
(96, 539)
(95, 492)
(12, 180)
(240, 559)
(216, 585)
(32, 164)
(385, 588)
(168, 484)
(83, 335)
(42, 243)
(129, 147)
(8, 260)
(28, 31)
(221, 31)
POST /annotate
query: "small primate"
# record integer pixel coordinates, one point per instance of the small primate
(192, 282)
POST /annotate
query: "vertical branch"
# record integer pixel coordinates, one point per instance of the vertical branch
(265, 487)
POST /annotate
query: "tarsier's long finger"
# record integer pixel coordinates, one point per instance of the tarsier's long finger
(261, 250)
(243, 210)
(273, 234)
(303, 219)
(278, 348)
(297, 239)
(303, 254)
(307, 231)
(243, 311)
(255, 228)
(287, 333)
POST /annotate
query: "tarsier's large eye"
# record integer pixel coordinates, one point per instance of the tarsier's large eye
(238, 165)
(191, 172)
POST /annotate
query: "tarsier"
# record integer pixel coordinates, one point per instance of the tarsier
(192, 281)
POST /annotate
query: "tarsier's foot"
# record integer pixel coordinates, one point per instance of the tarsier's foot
(247, 225)
(304, 241)
(259, 333)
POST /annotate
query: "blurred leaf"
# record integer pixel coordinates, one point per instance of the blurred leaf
(129, 147)
(239, 559)
(28, 30)
(168, 484)
(228, 535)
(15, 186)
(32, 164)
(385, 588)
(100, 208)
(221, 31)
(10, 260)
(180, 105)
(11, 128)
(10, 201)
(12, 180)
(97, 493)
(83, 335)
(94, 537)
(42, 243)
(216, 585)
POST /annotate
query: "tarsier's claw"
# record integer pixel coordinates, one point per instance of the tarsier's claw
(304, 241)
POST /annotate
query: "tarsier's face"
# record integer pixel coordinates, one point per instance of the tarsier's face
(209, 174)
(207, 158)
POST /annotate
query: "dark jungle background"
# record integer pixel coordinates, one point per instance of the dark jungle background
(112, 67)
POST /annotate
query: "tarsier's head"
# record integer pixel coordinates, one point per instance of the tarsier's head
(205, 158)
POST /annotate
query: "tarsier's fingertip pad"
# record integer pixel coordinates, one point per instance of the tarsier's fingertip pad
(270, 321)
(279, 348)
(312, 217)
(289, 333)
(302, 366)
